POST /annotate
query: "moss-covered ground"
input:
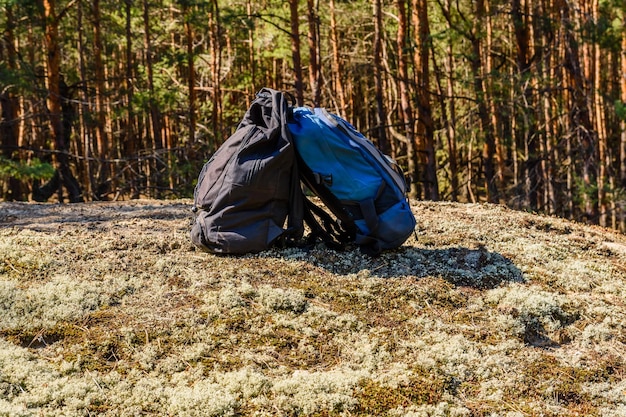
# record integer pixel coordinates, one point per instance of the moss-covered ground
(107, 309)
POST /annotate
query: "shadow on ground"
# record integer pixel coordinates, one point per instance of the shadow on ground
(478, 268)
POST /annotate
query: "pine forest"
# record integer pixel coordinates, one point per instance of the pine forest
(519, 102)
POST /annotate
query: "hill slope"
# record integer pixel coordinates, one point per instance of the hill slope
(106, 308)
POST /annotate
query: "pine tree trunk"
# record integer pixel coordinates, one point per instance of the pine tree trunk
(191, 78)
(622, 147)
(528, 135)
(405, 98)
(53, 79)
(451, 127)
(9, 106)
(130, 144)
(252, 65)
(85, 127)
(381, 133)
(102, 141)
(216, 67)
(425, 127)
(549, 140)
(295, 52)
(315, 76)
(494, 113)
(336, 62)
(580, 121)
(152, 127)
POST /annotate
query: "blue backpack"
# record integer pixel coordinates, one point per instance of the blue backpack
(361, 186)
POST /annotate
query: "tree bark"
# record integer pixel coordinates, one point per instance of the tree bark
(53, 101)
(9, 107)
(336, 67)
(448, 116)
(84, 125)
(527, 135)
(492, 92)
(252, 64)
(155, 123)
(102, 140)
(381, 133)
(130, 144)
(425, 127)
(315, 75)
(580, 121)
(622, 147)
(215, 36)
(295, 52)
(406, 109)
(191, 76)
(599, 125)
(546, 73)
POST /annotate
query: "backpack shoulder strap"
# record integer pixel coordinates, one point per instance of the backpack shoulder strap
(336, 233)
(273, 110)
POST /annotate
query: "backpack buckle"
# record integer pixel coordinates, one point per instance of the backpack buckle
(326, 179)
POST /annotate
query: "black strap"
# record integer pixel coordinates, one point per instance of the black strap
(335, 233)
(324, 227)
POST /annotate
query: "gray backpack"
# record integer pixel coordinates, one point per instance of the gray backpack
(250, 186)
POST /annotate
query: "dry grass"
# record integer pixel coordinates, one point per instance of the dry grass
(106, 309)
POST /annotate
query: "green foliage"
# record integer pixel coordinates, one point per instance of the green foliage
(610, 24)
(13, 79)
(620, 110)
(585, 192)
(33, 169)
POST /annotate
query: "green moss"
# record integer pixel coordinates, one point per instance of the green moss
(108, 310)
(546, 379)
(421, 387)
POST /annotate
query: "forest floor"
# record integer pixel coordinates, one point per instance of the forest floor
(107, 309)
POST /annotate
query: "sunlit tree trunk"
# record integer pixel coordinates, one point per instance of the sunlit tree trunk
(191, 75)
(216, 64)
(130, 144)
(526, 134)
(599, 122)
(102, 141)
(295, 51)
(494, 112)
(546, 73)
(622, 147)
(567, 208)
(448, 116)
(451, 127)
(153, 127)
(315, 76)
(252, 64)
(425, 128)
(580, 122)
(53, 76)
(481, 98)
(534, 80)
(336, 61)
(85, 126)
(381, 133)
(405, 98)
(63, 175)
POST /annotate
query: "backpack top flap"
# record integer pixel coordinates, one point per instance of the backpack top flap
(250, 185)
